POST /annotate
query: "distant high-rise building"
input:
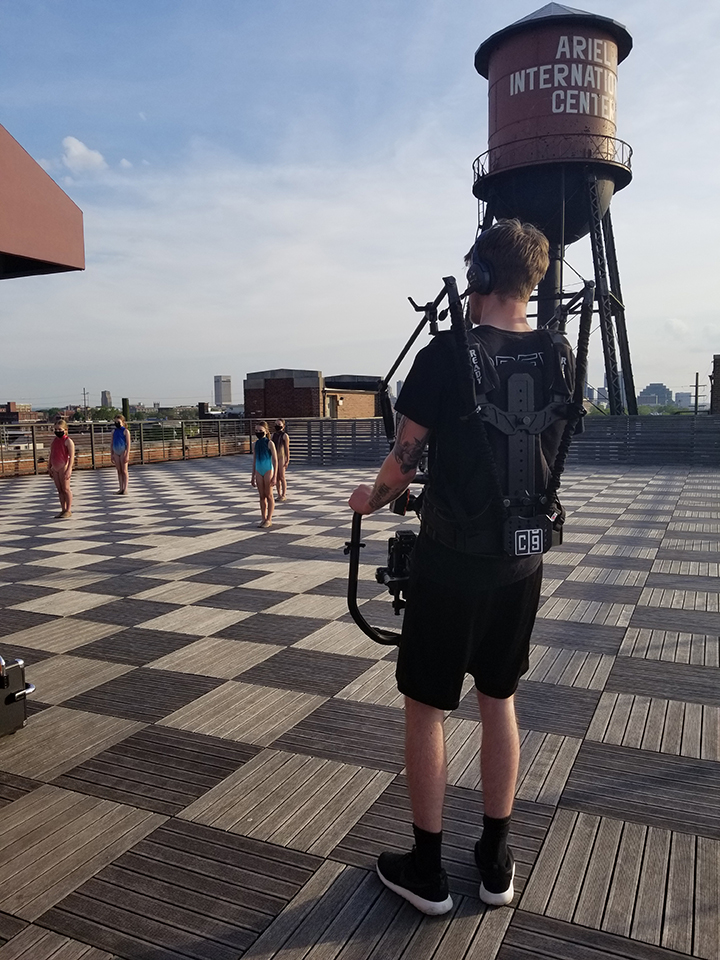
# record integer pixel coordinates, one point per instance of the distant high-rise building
(589, 392)
(655, 395)
(684, 400)
(105, 399)
(223, 391)
(398, 387)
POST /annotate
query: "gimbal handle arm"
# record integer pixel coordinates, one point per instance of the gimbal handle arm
(430, 315)
(388, 638)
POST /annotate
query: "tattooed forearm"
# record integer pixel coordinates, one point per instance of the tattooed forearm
(408, 449)
(381, 495)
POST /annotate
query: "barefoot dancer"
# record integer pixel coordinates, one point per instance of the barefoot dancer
(62, 455)
(282, 446)
(264, 470)
(120, 455)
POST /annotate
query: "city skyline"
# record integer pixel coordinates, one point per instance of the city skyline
(264, 186)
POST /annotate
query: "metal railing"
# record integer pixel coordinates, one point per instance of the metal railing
(553, 147)
(666, 440)
(25, 448)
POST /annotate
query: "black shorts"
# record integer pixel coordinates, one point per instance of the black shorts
(449, 631)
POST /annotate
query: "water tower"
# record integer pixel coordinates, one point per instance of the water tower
(553, 158)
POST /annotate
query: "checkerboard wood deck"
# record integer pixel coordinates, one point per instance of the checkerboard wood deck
(214, 754)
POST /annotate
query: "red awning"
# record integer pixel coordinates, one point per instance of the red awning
(41, 229)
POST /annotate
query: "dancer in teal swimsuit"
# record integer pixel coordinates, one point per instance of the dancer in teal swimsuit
(120, 454)
(264, 470)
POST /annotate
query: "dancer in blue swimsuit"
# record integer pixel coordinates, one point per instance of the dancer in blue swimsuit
(120, 453)
(264, 470)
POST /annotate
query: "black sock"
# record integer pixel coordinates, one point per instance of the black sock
(428, 850)
(492, 846)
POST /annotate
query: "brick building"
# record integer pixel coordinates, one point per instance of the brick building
(12, 412)
(283, 393)
(306, 393)
(351, 397)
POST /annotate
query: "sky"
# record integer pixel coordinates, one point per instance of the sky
(265, 182)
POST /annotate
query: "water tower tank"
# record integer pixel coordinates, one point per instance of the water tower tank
(552, 107)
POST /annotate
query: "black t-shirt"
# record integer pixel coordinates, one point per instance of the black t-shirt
(459, 482)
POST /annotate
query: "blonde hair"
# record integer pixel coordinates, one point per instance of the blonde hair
(263, 424)
(119, 416)
(519, 255)
(59, 422)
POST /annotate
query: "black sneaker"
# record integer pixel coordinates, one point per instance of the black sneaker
(399, 873)
(496, 886)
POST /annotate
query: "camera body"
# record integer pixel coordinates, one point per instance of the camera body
(397, 572)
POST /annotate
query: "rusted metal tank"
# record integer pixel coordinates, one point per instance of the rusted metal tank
(552, 108)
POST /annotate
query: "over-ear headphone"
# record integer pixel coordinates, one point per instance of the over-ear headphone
(480, 276)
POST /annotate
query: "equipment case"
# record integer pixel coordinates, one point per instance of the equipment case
(13, 693)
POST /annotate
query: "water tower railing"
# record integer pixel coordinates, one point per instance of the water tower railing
(552, 148)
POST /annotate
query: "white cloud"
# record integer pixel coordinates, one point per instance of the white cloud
(676, 328)
(79, 158)
(125, 164)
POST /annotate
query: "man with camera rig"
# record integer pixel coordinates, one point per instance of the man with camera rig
(471, 604)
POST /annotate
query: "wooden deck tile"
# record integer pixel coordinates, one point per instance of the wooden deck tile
(10, 927)
(68, 603)
(530, 937)
(345, 638)
(580, 874)
(246, 598)
(243, 711)
(158, 768)
(292, 800)
(376, 685)
(214, 657)
(54, 840)
(666, 726)
(309, 605)
(587, 611)
(144, 695)
(59, 635)
(195, 621)
(359, 733)
(186, 891)
(308, 670)
(593, 637)
(674, 646)
(34, 943)
(679, 793)
(588, 671)
(263, 628)
(135, 646)
(59, 739)
(689, 621)
(668, 680)
(13, 787)
(66, 676)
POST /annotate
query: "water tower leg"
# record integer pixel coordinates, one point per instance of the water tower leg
(618, 306)
(603, 300)
(550, 287)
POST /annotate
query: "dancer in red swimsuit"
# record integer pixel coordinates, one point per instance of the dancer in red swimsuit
(62, 456)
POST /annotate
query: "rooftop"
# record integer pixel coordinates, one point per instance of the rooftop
(214, 754)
